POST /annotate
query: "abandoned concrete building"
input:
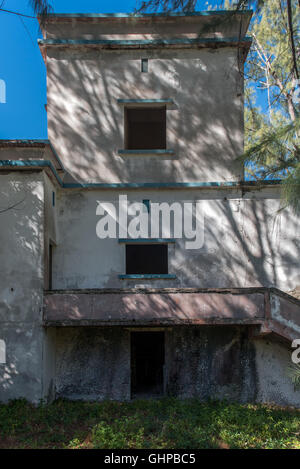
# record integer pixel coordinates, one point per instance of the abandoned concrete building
(146, 109)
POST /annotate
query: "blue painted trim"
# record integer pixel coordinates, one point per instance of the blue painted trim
(146, 240)
(27, 164)
(147, 276)
(37, 140)
(56, 155)
(32, 164)
(146, 152)
(146, 15)
(145, 101)
(137, 42)
(153, 185)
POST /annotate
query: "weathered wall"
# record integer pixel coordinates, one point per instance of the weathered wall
(93, 363)
(116, 27)
(51, 229)
(273, 361)
(29, 150)
(21, 280)
(216, 362)
(155, 307)
(51, 225)
(204, 127)
(247, 242)
(210, 362)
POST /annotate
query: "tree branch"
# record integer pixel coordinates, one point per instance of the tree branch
(291, 34)
(11, 207)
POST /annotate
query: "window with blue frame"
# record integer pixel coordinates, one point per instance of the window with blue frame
(146, 259)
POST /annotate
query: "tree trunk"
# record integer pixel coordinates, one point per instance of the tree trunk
(291, 33)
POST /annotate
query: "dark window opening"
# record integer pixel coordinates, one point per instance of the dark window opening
(145, 128)
(144, 65)
(146, 259)
(147, 363)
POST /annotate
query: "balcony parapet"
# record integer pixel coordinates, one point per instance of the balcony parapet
(168, 306)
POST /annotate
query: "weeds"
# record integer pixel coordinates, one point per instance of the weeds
(165, 423)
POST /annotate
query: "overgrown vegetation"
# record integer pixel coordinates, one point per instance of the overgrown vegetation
(165, 423)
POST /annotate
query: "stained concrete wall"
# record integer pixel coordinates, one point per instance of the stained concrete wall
(274, 384)
(155, 307)
(247, 242)
(205, 362)
(21, 280)
(114, 28)
(210, 362)
(204, 126)
(92, 363)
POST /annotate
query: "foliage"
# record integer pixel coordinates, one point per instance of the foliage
(295, 375)
(165, 423)
(41, 9)
(167, 5)
(272, 132)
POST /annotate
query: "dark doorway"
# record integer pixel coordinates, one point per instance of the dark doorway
(147, 363)
(146, 259)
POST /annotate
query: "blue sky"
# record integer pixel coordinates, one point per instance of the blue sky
(22, 67)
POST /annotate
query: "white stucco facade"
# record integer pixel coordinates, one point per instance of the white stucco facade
(52, 260)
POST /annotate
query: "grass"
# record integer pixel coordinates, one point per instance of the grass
(166, 423)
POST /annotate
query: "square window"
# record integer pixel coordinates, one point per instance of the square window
(146, 258)
(145, 128)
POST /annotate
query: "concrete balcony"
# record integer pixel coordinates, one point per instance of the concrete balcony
(270, 309)
(152, 307)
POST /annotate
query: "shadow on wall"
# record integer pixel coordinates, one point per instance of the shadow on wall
(205, 128)
(21, 280)
(86, 127)
(248, 243)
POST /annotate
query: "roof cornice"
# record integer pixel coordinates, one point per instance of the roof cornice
(54, 17)
(137, 43)
(39, 165)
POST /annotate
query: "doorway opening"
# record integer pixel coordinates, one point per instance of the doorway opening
(147, 363)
